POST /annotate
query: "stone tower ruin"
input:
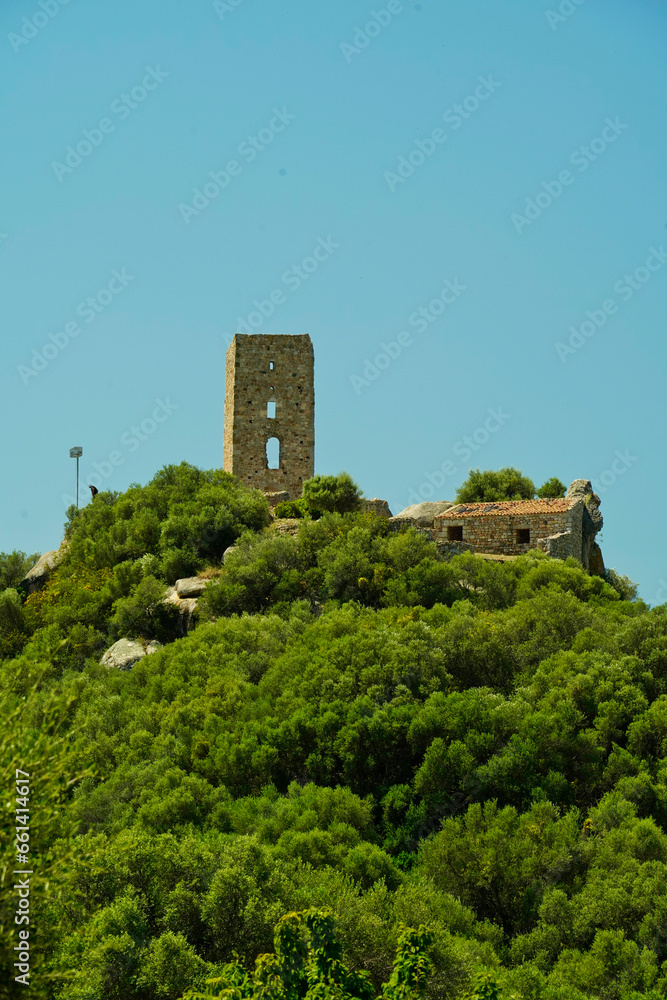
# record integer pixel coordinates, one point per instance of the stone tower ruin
(269, 441)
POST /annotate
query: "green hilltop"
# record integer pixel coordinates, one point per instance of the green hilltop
(386, 772)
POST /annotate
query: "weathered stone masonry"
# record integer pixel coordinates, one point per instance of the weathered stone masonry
(512, 527)
(270, 394)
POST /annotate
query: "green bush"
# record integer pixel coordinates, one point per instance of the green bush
(505, 484)
(291, 508)
(144, 614)
(552, 488)
(185, 517)
(331, 494)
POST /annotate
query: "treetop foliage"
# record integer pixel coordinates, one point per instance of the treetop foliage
(504, 484)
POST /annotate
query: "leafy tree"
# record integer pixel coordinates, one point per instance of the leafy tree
(505, 484)
(307, 963)
(552, 488)
(14, 566)
(485, 988)
(623, 585)
(334, 494)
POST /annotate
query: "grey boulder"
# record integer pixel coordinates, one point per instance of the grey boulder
(422, 514)
(191, 586)
(126, 652)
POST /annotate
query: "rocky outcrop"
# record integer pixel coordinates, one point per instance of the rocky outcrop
(592, 521)
(421, 515)
(191, 586)
(596, 564)
(287, 526)
(375, 506)
(126, 652)
(228, 551)
(186, 607)
(36, 577)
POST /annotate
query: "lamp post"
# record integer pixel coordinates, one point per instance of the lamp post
(76, 453)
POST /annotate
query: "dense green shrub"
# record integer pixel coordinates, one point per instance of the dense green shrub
(184, 516)
(331, 494)
(552, 488)
(504, 484)
(291, 508)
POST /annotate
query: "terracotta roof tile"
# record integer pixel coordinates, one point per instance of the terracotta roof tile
(504, 507)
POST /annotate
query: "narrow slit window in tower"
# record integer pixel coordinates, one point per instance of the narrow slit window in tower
(273, 453)
(270, 366)
(271, 409)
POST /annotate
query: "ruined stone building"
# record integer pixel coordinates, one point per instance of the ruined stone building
(561, 527)
(269, 440)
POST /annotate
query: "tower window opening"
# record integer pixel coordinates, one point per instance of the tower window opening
(273, 453)
(271, 409)
(271, 366)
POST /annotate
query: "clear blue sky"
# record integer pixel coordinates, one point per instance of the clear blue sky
(304, 119)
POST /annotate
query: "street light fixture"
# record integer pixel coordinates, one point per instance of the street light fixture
(76, 453)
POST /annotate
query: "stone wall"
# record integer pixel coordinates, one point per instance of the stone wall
(263, 369)
(496, 534)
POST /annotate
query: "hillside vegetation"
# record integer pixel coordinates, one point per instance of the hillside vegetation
(355, 726)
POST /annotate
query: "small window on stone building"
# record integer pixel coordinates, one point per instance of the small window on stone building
(270, 366)
(273, 453)
(522, 536)
(271, 410)
(455, 533)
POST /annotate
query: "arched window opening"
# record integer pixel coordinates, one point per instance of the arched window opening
(271, 409)
(273, 453)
